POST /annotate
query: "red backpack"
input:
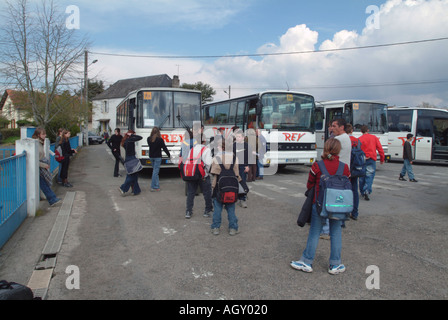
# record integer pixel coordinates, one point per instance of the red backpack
(193, 168)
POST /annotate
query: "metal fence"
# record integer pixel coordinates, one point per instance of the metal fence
(12, 195)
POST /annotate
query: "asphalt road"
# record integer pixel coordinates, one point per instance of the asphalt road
(142, 247)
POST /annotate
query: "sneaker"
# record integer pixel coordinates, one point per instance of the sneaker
(353, 217)
(366, 197)
(68, 185)
(155, 190)
(207, 213)
(188, 214)
(302, 266)
(336, 269)
(215, 231)
(243, 203)
(402, 178)
(233, 232)
(56, 202)
(123, 194)
(413, 180)
(325, 236)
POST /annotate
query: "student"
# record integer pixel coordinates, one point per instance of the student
(194, 145)
(370, 144)
(114, 144)
(67, 152)
(353, 180)
(128, 143)
(58, 141)
(226, 158)
(330, 157)
(156, 145)
(241, 150)
(407, 160)
(45, 177)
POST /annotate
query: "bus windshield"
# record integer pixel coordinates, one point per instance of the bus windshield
(167, 109)
(287, 111)
(373, 115)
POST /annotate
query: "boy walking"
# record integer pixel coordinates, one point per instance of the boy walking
(407, 160)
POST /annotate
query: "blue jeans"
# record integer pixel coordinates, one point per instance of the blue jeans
(230, 208)
(313, 239)
(366, 182)
(49, 194)
(260, 168)
(156, 162)
(407, 167)
(354, 182)
(131, 180)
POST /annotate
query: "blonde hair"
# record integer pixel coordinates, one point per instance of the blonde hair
(332, 148)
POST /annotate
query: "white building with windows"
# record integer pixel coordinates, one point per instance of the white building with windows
(105, 104)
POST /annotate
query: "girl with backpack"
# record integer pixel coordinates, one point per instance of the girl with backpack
(229, 162)
(330, 158)
(156, 145)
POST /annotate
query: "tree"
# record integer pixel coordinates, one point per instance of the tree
(40, 55)
(207, 90)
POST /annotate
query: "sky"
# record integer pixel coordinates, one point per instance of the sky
(193, 30)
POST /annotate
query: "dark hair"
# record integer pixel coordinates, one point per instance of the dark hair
(126, 136)
(348, 128)
(155, 133)
(340, 121)
(37, 132)
(118, 130)
(364, 129)
(409, 136)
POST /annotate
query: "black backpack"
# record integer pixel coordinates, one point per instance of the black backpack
(227, 185)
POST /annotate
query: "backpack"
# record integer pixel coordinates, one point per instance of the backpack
(193, 168)
(58, 154)
(227, 186)
(335, 198)
(357, 161)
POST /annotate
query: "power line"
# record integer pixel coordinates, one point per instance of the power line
(266, 54)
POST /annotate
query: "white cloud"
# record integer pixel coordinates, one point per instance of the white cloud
(328, 75)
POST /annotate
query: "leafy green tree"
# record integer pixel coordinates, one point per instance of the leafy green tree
(207, 90)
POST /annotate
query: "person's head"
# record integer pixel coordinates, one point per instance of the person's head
(338, 126)
(126, 136)
(60, 131)
(409, 136)
(65, 134)
(364, 129)
(239, 136)
(332, 147)
(348, 128)
(117, 131)
(155, 133)
(39, 134)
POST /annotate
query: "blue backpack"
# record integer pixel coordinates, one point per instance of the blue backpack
(357, 161)
(335, 198)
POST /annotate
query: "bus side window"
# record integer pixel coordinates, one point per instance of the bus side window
(240, 113)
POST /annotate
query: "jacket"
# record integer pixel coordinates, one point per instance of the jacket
(226, 161)
(407, 151)
(129, 145)
(370, 144)
(155, 148)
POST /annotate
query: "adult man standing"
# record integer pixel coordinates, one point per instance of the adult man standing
(370, 144)
(114, 144)
(338, 129)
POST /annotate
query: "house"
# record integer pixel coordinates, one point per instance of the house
(13, 107)
(105, 104)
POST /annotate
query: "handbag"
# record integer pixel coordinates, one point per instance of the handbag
(305, 213)
(133, 166)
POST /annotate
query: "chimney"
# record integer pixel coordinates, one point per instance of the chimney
(176, 82)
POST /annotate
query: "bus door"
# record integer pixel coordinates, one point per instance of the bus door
(424, 139)
(440, 126)
(331, 114)
(319, 126)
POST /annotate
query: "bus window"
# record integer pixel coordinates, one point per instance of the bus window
(209, 115)
(424, 127)
(222, 110)
(240, 113)
(373, 115)
(400, 121)
(186, 106)
(232, 112)
(154, 108)
(441, 132)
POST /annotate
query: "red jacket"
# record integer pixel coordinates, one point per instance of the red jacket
(370, 144)
(315, 173)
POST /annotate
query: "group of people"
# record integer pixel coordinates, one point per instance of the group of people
(338, 148)
(248, 152)
(45, 176)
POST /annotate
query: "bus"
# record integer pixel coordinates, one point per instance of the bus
(286, 119)
(356, 112)
(429, 127)
(173, 110)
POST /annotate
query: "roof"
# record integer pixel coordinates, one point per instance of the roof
(122, 88)
(18, 98)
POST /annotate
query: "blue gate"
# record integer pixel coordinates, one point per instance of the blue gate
(13, 207)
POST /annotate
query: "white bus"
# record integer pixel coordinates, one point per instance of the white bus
(173, 110)
(357, 113)
(430, 130)
(285, 117)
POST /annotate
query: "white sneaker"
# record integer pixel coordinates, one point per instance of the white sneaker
(302, 266)
(336, 269)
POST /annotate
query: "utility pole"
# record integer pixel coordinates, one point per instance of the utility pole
(86, 98)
